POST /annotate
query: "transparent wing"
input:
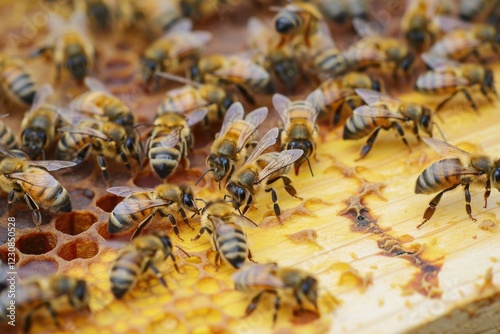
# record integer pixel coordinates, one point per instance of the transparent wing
(84, 131)
(96, 85)
(280, 104)
(71, 116)
(233, 114)
(282, 160)
(171, 140)
(52, 165)
(4, 115)
(176, 78)
(376, 112)
(372, 96)
(364, 28)
(41, 96)
(256, 29)
(5, 150)
(79, 22)
(445, 149)
(126, 191)
(269, 139)
(44, 180)
(261, 276)
(436, 62)
(433, 80)
(129, 206)
(183, 25)
(449, 23)
(254, 120)
(195, 116)
(244, 221)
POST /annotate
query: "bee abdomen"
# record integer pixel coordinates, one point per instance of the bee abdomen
(232, 245)
(163, 160)
(357, 127)
(440, 175)
(57, 200)
(7, 137)
(124, 273)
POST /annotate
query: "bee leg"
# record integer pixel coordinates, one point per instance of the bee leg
(174, 262)
(415, 132)
(337, 115)
(369, 143)
(274, 198)
(173, 222)
(10, 199)
(255, 301)
(157, 274)
(289, 188)
(487, 193)
(141, 227)
(485, 94)
(432, 205)
(467, 202)
(217, 259)
(247, 206)
(446, 100)
(124, 158)
(246, 94)
(202, 230)
(400, 131)
(27, 319)
(103, 167)
(469, 98)
(35, 210)
(184, 217)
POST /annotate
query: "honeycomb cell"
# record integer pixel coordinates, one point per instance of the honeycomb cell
(37, 267)
(78, 249)
(103, 231)
(36, 243)
(208, 285)
(146, 180)
(4, 255)
(75, 222)
(108, 202)
(81, 198)
(203, 316)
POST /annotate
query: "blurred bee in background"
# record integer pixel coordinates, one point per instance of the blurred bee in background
(141, 204)
(385, 112)
(464, 39)
(7, 138)
(462, 168)
(143, 253)
(179, 46)
(229, 239)
(477, 10)
(450, 77)
(98, 12)
(229, 147)
(70, 44)
(417, 24)
(296, 19)
(30, 181)
(281, 62)
(340, 11)
(50, 292)
(199, 10)
(333, 94)
(298, 126)
(171, 140)
(232, 70)
(247, 180)
(16, 83)
(39, 124)
(278, 281)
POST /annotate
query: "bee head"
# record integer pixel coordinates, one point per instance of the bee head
(416, 38)
(407, 62)
(219, 165)
(187, 198)
(100, 13)
(489, 80)
(495, 175)
(237, 193)
(304, 145)
(80, 296)
(195, 73)
(285, 24)
(309, 288)
(149, 69)
(426, 120)
(165, 240)
(33, 142)
(77, 65)
(286, 69)
(376, 85)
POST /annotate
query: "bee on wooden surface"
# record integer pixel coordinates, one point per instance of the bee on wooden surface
(70, 45)
(449, 77)
(262, 169)
(171, 140)
(50, 292)
(30, 181)
(464, 39)
(103, 139)
(16, 83)
(278, 281)
(297, 19)
(7, 137)
(385, 112)
(232, 70)
(417, 25)
(335, 93)
(143, 253)
(229, 239)
(477, 10)
(141, 204)
(229, 147)
(39, 124)
(298, 128)
(169, 53)
(462, 168)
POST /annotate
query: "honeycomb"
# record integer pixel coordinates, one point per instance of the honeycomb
(346, 231)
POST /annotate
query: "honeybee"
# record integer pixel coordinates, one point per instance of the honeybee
(275, 280)
(229, 147)
(464, 169)
(417, 25)
(35, 293)
(464, 39)
(39, 124)
(385, 112)
(99, 13)
(143, 253)
(71, 45)
(281, 62)
(168, 53)
(476, 10)
(232, 70)
(16, 83)
(199, 10)
(228, 236)
(7, 138)
(335, 93)
(450, 77)
(30, 181)
(340, 10)
(298, 129)
(104, 139)
(268, 167)
(296, 19)
(141, 204)
(171, 140)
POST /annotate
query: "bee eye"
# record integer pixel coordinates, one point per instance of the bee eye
(80, 292)
(496, 175)
(227, 102)
(187, 200)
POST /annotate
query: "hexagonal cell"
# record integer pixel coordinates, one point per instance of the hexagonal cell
(81, 198)
(146, 179)
(4, 255)
(75, 222)
(108, 202)
(103, 231)
(36, 243)
(118, 63)
(38, 267)
(78, 249)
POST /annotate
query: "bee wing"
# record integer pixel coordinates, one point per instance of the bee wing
(280, 104)
(41, 96)
(244, 221)
(79, 22)
(445, 149)
(171, 140)
(258, 72)
(364, 28)
(96, 85)
(84, 131)
(449, 23)
(282, 160)
(254, 120)
(255, 30)
(435, 80)
(436, 62)
(52, 165)
(56, 24)
(260, 274)
(71, 116)
(195, 116)
(376, 112)
(126, 207)
(126, 191)
(269, 139)
(4, 115)
(233, 114)
(4, 150)
(372, 96)
(182, 25)
(44, 180)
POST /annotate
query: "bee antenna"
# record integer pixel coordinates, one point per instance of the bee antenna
(183, 251)
(309, 164)
(440, 131)
(202, 175)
